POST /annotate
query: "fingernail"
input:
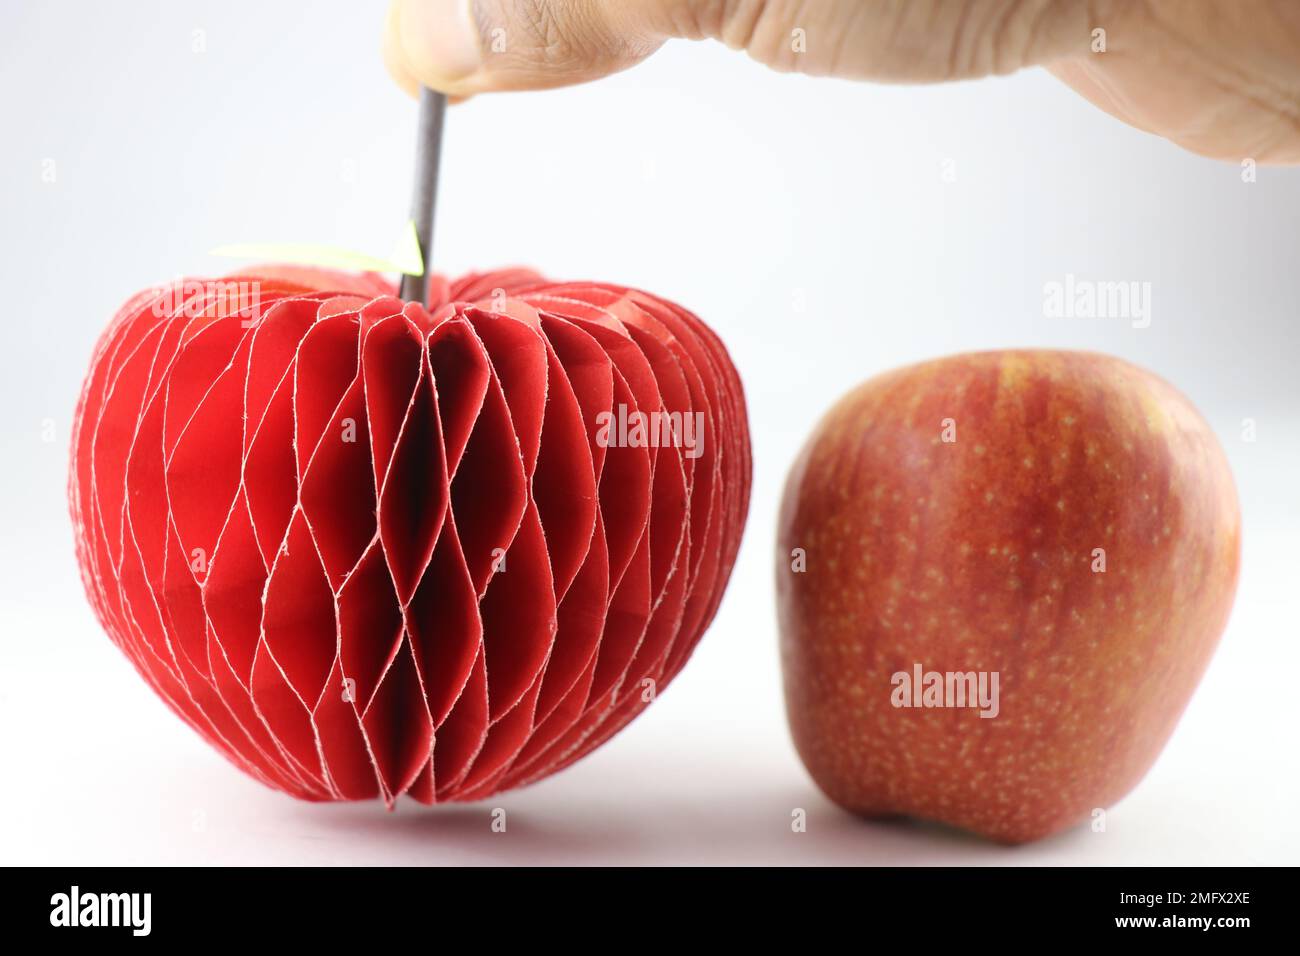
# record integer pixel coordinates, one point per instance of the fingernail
(439, 38)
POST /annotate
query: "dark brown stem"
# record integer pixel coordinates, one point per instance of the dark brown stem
(428, 149)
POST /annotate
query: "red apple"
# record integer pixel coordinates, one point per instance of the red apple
(367, 547)
(1055, 529)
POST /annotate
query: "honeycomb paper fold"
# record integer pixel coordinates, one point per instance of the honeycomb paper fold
(367, 548)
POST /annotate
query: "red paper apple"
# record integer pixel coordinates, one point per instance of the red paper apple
(367, 548)
(1064, 524)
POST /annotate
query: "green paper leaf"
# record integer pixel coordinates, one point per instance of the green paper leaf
(405, 257)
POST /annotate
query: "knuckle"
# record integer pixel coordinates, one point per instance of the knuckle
(696, 19)
(761, 28)
(996, 36)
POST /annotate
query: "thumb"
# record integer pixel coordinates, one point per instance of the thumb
(462, 47)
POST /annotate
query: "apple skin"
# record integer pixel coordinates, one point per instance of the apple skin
(978, 554)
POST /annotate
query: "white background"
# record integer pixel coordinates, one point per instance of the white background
(806, 220)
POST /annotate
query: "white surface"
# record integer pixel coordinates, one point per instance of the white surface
(806, 220)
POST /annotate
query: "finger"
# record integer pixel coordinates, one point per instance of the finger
(464, 47)
(393, 57)
(472, 46)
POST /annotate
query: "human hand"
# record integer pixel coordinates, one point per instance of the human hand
(1218, 77)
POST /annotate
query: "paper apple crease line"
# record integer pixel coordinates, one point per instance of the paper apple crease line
(369, 548)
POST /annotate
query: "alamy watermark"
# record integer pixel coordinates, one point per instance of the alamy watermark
(76, 908)
(922, 688)
(192, 298)
(1087, 299)
(622, 428)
